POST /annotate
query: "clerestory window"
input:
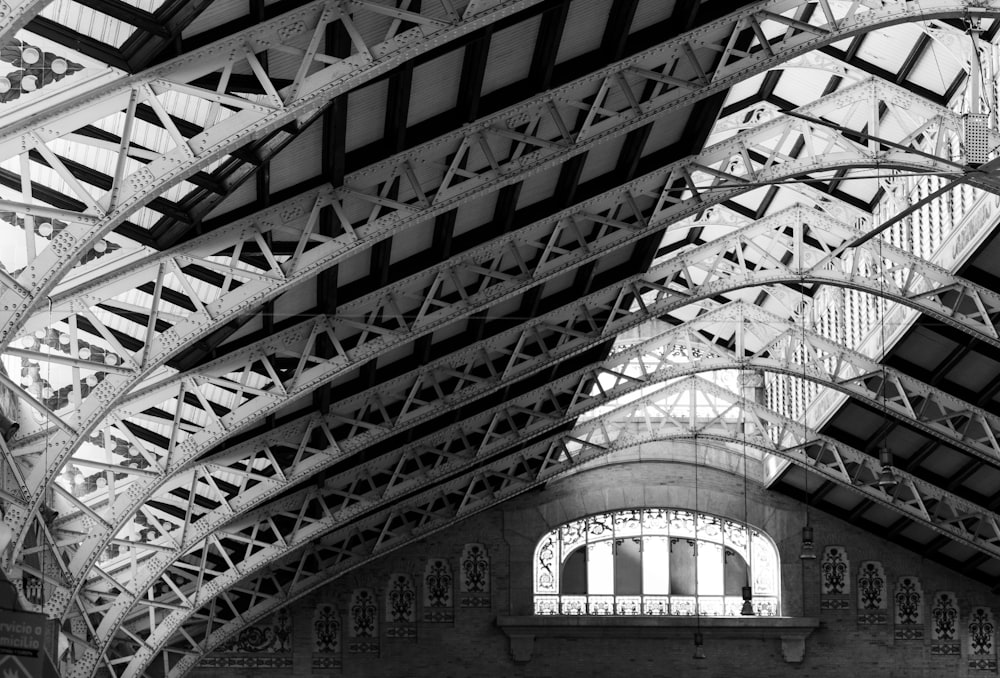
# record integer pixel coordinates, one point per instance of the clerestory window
(655, 561)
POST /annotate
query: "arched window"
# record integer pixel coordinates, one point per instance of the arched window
(655, 561)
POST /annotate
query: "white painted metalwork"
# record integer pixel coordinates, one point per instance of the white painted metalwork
(798, 244)
(320, 549)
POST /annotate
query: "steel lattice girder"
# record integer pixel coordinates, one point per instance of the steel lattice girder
(619, 217)
(298, 32)
(293, 226)
(502, 157)
(701, 62)
(460, 448)
(69, 438)
(16, 14)
(427, 459)
(691, 276)
(312, 517)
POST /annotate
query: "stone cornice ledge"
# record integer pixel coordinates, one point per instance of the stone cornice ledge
(522, 631)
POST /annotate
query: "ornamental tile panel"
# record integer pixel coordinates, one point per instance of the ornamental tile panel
(327, 644)
(363, 632)
(872, 593)
(835, 579)
(909, 609)
(982, 651)
(474, 577)
(400, 607)
(944, 623)
(438, 599)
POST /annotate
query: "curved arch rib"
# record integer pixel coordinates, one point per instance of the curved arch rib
(294, 223)
(671, 283)
(457, 449)
(713, 44)
(436, 23)
(638, 208)
(16, 14)
(342, 547)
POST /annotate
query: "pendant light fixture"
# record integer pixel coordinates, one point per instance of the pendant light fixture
(886, 479)
(747, 590)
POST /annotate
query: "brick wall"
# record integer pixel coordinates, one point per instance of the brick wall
(472, 645)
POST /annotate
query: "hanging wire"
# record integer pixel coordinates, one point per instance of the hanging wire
(699, 639)
(808, 550)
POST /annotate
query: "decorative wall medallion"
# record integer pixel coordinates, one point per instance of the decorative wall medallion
(267, 645)
(909, 600)
(944, 623)
(327, 647)
(835, 582)
(871, 593)
(474, 586)
(439, 606)
(400, 607)
(982, 648)
(363, 629)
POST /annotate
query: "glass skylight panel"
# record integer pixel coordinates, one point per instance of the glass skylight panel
(89, 22)
(148, 5)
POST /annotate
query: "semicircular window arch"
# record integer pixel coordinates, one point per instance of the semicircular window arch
(655, 561)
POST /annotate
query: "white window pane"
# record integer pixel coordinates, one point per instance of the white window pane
(711, 579)
(600, 569)
(656, 566)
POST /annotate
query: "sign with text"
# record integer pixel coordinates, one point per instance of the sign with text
(21, 638)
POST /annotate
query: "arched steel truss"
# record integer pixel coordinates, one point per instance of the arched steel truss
(375, 51)
(639, 209)
(460, 448)
(703, 61)
(322, 548)
(262, 478)
(541, 251)
(811, 238)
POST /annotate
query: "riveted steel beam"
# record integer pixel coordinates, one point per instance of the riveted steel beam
(792, 250)
(240, 279)
(16, 14)
(460, 447)
(315, 80)
(658, 416)
(695, 65)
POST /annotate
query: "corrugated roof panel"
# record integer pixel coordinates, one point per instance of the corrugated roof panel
(366, 114)
(802, 85)
(215, 14)
(650, 12)
(603, 158)
(415, 240)
(244, 195)
(434, 88)
(583, 33)
(666, 131)
(541, 187)
(936, 68)
(295, 302)
(299, 161)
(888, 47)
(511, 51)
(89, 22)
